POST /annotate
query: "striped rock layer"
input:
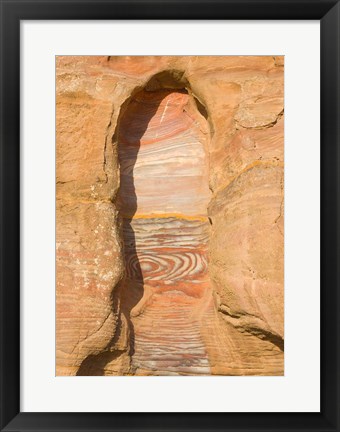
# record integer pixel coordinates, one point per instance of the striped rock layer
(163, 199)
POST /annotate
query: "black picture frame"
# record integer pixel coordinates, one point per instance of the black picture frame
(12, 12)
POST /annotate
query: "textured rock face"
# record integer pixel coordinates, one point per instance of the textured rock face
(146, 283)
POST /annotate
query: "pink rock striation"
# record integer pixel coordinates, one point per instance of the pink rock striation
(163, 199)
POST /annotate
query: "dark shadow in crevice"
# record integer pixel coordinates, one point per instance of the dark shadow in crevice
(171, 79)
(94, 364)
(201, 108)
(276, 340)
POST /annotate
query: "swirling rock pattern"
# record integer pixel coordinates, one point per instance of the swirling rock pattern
(163, 199)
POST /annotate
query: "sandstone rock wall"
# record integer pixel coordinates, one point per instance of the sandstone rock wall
(241, 99)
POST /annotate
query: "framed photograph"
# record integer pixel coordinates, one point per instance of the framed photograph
(169, 207)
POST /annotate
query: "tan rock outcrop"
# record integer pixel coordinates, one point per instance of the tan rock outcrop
(237, 103)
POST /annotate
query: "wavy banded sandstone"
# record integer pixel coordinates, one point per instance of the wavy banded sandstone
(163, 199)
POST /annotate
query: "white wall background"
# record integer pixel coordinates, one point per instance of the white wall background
(299, 389)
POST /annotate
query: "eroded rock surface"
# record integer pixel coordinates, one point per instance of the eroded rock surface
(214, 122)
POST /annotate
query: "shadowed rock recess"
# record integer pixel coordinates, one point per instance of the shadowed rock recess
(170, 208)
(163, 199)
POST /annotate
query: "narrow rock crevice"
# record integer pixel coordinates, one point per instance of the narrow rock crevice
(106, 141)
(252, 324)
(240, 126)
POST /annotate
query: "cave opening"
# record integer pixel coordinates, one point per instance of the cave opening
(162, 200)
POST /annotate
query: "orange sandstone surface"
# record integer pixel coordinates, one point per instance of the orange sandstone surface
(169, 215)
